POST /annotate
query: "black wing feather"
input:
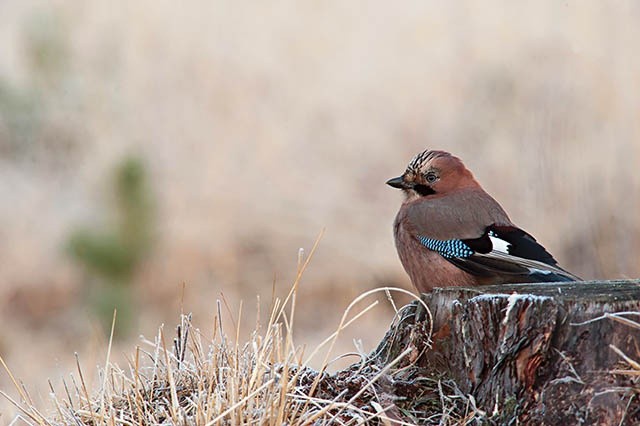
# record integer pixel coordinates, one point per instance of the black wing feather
(523, 244)
(486, 262)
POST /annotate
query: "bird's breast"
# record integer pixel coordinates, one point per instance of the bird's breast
(426, 268)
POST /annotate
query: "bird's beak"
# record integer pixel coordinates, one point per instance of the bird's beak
(397, 182)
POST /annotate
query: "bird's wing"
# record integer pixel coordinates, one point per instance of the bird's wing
(461, 215)
(501, 250)
(472, 231)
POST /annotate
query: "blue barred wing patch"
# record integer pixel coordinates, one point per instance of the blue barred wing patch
(446, 248)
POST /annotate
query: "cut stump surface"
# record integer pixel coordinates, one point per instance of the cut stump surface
(545, 353)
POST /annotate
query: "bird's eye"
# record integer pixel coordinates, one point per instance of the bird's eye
(431, 177)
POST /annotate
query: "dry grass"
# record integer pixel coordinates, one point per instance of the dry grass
(627, 367)
(632, 367)
(218, 380)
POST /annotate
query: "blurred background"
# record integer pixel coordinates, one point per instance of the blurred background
(160, 156)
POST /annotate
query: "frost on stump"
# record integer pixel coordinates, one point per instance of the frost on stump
(548, 353)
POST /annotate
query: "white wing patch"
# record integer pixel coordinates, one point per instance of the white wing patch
(539, 271)
(499, 244)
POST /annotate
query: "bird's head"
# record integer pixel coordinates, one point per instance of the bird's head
(433, 173)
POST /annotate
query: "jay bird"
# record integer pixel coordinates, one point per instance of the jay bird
(450, 232)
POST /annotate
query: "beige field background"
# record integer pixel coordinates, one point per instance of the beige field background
(260, 123)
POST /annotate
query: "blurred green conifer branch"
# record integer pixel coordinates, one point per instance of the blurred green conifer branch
(113, 255)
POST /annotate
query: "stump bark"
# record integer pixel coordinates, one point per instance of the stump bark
(545, 353)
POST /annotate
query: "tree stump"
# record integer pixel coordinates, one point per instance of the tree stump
(544, 353)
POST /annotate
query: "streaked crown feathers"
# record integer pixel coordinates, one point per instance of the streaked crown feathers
(420, 160)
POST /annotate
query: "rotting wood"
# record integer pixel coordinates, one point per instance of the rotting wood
(529, 353)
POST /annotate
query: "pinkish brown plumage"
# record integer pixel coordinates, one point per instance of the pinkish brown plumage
(450, 232)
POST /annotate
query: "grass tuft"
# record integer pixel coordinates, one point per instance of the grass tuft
(214, 380)
(197, 379)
